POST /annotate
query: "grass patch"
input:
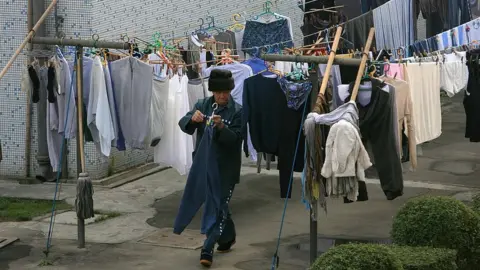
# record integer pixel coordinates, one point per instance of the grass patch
(17, 209)
(102, 216)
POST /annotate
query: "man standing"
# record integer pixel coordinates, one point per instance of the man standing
(216, 164)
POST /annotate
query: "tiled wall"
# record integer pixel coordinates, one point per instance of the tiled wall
(109, 19)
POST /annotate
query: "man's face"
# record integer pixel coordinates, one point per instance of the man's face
(221, 97)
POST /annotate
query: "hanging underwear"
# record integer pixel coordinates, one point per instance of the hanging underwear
(295, 92)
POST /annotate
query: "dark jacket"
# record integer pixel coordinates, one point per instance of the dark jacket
(228, 141)
(376, 126)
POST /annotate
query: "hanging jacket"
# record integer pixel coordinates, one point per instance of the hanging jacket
(228, 139)
(376, 126)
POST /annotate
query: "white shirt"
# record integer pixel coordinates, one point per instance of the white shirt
(99, 118)
(240, 72)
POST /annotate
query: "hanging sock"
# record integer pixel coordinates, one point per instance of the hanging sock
(50, 85)
(36, 84)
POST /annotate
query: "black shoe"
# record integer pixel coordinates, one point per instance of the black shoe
(225, 248)
(206, 258)
(393, 195)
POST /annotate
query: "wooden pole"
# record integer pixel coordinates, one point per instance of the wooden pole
(362, 64)
(80, 139)
(331, 57)
(27, 38)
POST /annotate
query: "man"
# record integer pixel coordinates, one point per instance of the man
(219, 157)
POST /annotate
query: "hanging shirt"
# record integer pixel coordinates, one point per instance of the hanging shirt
(273, 126)
(240, 72)
(158, 110)
(424, 81)
(111, 103)
(132, 80)
(66, 100)
(99, 117)
(175, 148)
(405, 115)
(377, 127)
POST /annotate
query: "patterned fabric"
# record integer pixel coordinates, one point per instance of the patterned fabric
(259, 34)
(296, 92)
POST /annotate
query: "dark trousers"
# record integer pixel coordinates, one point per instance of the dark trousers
(224, 229)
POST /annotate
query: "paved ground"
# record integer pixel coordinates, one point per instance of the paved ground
(449, 166)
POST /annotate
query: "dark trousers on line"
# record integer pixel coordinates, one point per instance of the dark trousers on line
(224, 229)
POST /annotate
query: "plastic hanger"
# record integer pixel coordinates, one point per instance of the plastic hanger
(266, 11)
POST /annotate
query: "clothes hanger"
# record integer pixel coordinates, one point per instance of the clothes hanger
(238, 25)
(266, 11)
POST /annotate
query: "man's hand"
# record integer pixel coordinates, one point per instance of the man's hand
(198, 117)
(217, 121)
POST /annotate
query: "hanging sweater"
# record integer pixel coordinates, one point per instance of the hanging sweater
(345, 160)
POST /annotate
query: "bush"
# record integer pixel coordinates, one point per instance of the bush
(440, 222)
(358, 257)
(476, 203)
(425, 258)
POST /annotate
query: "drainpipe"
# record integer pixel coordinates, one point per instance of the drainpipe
(44, 168)
(28, 121)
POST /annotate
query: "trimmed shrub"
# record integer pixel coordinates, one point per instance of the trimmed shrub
(476, 203)
(440, 222)
(425, 258)
(358, 257)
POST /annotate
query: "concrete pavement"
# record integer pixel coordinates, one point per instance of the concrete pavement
(448, 166)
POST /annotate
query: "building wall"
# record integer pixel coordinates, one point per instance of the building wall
(109, 19)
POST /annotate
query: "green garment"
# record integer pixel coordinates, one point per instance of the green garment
(228, 139)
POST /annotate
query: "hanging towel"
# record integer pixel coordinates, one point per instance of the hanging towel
(203, 186)
(424, 81)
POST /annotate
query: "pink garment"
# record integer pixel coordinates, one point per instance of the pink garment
(392, 69)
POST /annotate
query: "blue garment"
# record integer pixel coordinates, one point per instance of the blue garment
(295, 92)
(223, 231)
(258, 34)
(203, 186)
(256, 64)
(121, 139)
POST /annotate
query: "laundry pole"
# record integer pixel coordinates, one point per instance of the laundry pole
(329, 60)
(84, 199)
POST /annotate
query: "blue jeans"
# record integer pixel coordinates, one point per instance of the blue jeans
(223, 231)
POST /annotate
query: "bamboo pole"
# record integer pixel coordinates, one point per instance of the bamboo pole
(28, 121)
(362, 64)
(331, 57)
(80, 139)
(27, 38)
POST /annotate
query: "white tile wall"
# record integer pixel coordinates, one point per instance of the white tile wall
(109, 19)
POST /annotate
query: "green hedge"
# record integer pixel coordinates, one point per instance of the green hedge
(476, 203)
(440, 222)
(425, 258)
(358, 257)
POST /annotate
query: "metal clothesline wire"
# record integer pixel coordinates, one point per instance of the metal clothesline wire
(188, 26)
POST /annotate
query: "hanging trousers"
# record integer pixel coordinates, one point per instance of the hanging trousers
(223, 231)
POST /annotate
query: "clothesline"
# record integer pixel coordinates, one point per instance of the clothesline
(188, 26)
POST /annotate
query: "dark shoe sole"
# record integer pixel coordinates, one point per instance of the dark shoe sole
(227, 250)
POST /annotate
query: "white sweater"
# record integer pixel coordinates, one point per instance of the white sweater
(345, 156)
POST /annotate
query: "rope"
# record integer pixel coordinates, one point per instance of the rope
(276, 259)
(59, 169)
